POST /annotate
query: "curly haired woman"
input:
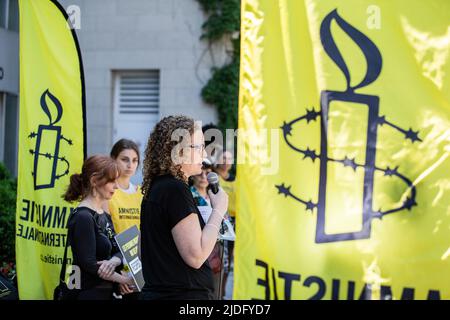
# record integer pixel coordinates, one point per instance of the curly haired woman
(176, 242)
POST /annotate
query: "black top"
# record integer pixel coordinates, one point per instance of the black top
(166, 274)
(91, 236)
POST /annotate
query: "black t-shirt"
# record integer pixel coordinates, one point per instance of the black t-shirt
(91, 237)
(166, 274)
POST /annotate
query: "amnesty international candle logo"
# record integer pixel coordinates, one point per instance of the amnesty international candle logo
(52, 144)
(46, 155)
(360, 161)
(358, 205)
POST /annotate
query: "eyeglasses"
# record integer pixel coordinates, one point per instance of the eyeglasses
(200, 147)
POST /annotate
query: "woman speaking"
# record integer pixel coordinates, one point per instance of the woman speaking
(176, 243)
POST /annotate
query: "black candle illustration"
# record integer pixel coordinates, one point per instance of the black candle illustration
(46, 153)
(370, 104)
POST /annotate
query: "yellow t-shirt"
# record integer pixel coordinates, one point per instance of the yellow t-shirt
(230, 188)
(125, 209)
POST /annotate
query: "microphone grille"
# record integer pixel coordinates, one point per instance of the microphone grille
(212, 178)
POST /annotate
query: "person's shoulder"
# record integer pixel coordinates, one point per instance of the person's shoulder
(83, 213)
(166, 188)
(81, 216)
(170, 182)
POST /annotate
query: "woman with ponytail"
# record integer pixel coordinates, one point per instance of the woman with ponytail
(91, 232)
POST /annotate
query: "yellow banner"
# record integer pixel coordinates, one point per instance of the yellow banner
(344, 143)
(51, 142)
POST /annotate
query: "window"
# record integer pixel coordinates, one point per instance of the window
(138, 92)
(3, 15)
(136, 107)
(9, 14)
(13, 15)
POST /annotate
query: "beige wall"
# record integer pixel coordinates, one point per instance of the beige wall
(9, 61)
(138, 35)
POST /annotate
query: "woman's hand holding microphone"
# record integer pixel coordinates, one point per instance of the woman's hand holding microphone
(219, 203)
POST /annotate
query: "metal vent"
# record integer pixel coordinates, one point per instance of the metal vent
(139, 93)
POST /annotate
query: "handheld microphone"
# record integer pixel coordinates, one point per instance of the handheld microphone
(213, 182)
(206, 163)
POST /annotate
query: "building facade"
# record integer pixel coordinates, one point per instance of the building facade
(9, 83)
(143, 60)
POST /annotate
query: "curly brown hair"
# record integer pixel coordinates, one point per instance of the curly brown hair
(157, 157)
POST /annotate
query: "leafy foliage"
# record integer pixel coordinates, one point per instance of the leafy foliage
(222, 90)
(8, 187)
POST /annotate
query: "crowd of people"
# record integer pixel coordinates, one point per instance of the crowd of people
(179, 218)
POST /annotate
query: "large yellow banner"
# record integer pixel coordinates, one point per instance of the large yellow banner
(51, 142)
(344, 143)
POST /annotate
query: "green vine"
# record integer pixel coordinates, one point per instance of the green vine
(222, 90)
(8, 187)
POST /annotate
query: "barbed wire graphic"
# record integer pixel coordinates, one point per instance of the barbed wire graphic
(312, 115)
